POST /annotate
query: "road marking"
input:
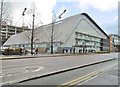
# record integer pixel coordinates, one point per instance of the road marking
(33, 69)
(81, 79)
(40, 68)
(23, 70)
(86, 77)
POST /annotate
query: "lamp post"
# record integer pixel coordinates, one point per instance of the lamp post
(32, 34)
(24, 11)
(1, 12)
(23, 17)
(53, 21)
(32, 28)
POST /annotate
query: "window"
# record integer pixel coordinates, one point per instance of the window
(48, 44)
(76, 41)
(55, 44)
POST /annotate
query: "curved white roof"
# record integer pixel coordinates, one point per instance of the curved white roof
(62, 30)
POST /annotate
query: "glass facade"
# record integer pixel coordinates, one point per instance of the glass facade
(114, 43)
(35, 45)
(116, 40)
(87, 42)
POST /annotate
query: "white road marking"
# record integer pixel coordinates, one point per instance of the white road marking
(33, 69)
(40, 68)
(18, 71)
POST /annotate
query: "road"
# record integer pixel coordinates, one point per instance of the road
(74, 77)
(17, 70)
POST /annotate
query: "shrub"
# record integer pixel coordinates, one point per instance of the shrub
(100, 52)
(11, 51)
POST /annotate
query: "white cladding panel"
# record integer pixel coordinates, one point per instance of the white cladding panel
(64, 31)
(87, 27)
(83, 25)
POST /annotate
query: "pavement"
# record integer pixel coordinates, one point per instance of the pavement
(8, 57)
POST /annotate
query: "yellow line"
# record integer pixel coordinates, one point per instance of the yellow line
(81, 80)
(78, 79)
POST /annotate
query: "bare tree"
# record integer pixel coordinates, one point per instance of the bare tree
(5, 10)
(52, 30)
(5, 17)
(35, 22)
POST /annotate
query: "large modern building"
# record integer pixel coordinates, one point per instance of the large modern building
(9, 30)
(79, 33)
(114, 43)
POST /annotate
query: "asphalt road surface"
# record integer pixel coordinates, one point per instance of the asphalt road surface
(17, 70)
(75, 77)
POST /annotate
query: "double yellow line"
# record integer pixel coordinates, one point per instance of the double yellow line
(80, 79)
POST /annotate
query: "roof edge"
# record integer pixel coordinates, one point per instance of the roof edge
(85, 14)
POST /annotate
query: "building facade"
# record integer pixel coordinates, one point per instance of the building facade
(91, 43)
(78, 33)
(9, 30)
(114, 43)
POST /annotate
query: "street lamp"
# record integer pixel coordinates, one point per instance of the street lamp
(32, 34)
(1, 41)
(24, 11)
(32, 29)
(23, 17)
(53, 21)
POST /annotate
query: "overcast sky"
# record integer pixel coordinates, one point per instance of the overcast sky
(104, 12)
